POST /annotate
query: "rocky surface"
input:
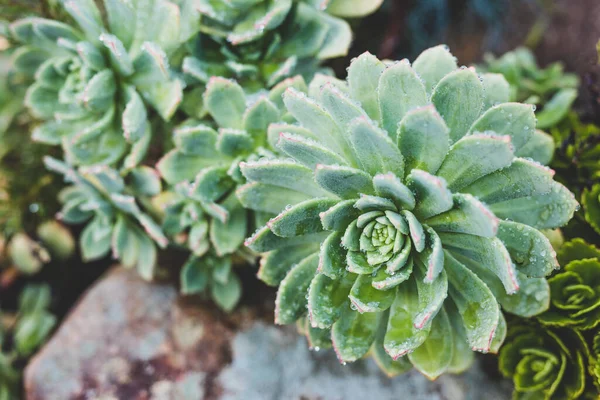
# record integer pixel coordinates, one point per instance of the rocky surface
(127, 339)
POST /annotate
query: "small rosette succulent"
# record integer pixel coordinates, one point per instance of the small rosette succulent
(261, 42)
(551, 89)
(108, 205)
(575, 290)
(201, 210)
(544, 363)
(590, 200)
(95, 86)
(404, 215)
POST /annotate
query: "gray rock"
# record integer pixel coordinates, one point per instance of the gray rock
(127, 339)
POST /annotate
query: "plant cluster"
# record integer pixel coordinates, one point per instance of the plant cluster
(403, 213)
(550, 88)
(29, 237)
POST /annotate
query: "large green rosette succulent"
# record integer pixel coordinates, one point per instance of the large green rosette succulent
(201, 212)
(261, 42)
(96, 86)
(544, 363)
(575, 290)
(405, 218)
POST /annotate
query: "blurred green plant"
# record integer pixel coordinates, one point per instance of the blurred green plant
(551, 89)
(21, 333)
(544, 363)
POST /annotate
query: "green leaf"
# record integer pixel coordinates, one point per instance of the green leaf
(344, 182)
(87, 16)
(368, 299)
(327, 298)
(363, 79)
(306, 151)
(194, 276)
(423, 139)
(268, 198)
(547, 210)
(95, 240)
(353, 334)
(265, 240)
(374, 149)
(496, 88)
(433, 357)
(314, 118)
(332, 257)
(225, 101)
(431, 193)
(292, 294)
(489, 253)
(400, 90)
(301, 219)
(539, 148)
(389, 186)
(476, 304)
(119, 58)
(530, 250)
(459, 97)
(431, 292)
(474, 157)
(228, 236)
(390, 367)
(227, 295)
(512, 119)
(577, 249)
(432, 256)
(591, 205)
(433, 64)
(284, 174)
(353, 8)
(276, 264)
(402, 336)
(557, 108)
(468, 215)
(197, 140)
(258, 117)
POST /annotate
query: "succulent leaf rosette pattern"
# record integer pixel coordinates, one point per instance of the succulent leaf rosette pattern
(95, 86)
(115, 224)
(544, 363)
(201, 210)
(261, 42)
(406, 217)
(575, 290)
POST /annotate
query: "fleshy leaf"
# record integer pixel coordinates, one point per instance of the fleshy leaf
(459, 97)
(400, 90)
(293, 290)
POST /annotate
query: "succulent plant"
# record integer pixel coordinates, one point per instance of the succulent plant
(95, 86)
(595, 364)
(575, 290)
(544, 363)
(261, 42)
(591, 206)
(115, 222)
(201, 210)
(21, 333)
(549, 88)
(404, 215)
